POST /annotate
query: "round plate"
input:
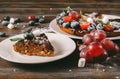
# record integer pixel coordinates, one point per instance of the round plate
(63, 46)
(53, 25)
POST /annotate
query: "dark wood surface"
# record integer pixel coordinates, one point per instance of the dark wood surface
(65, 68)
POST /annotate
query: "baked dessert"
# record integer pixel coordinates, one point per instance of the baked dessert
(33, 45)
(79, 24)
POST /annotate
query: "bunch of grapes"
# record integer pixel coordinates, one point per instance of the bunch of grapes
(97, 47)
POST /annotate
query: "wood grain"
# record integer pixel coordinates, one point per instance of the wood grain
(65, 68)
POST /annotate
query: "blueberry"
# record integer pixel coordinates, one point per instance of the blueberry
(80, 20)
(66, 24)
(37, 19)
(29, 36)
(58, 18)
(74, 24)
(31, 23)
(61, 22)
(63, 14)
(5, 23)
(6, 18)
(17, 20)
(2, 34)
(99, 27)
(41, 20)
(91, 27)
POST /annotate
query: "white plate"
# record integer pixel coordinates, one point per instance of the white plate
(63, 46)
(53, 25)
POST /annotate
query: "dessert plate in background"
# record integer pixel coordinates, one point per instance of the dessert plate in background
(63, 47)
(53, 25)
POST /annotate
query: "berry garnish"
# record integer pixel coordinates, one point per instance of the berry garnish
(29, 36)
(74, 15)
(63, 14)
(84, 25)
(5, 23)
(99, 35)
(31, 17)
(87, 39)
(99, 27)
(108, 27)
(61, 21)
(17, 20)
(66, 24)
(31, 23)
(75, 25)
(7, 18)
(2, 34)
(41, 20)
(67, 19)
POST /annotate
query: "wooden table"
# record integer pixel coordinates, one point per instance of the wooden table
(65, 68)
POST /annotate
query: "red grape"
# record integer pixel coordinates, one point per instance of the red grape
(74, 15)
(81, 47)
(99, 35)
(92, 59)
(84, 54)
(87, 39)
(92, 32)
(31, 17)
(95, 49)
(101, 57)
(116, 48)
(110, 47)
(113, 51)
(107, 44)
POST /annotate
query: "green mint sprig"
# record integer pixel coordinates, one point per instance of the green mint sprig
(67, 9)
(101, 22)
(17, 39)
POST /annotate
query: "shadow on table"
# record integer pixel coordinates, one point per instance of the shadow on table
(66, 63)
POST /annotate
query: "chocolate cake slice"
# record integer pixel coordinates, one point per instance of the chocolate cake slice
(34, 45)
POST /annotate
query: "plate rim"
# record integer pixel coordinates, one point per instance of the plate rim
(54, 24)
(38, 62)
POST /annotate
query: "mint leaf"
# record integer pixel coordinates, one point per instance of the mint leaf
(100, 21)
(16, 39)
(67, 9)
(108, 23)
